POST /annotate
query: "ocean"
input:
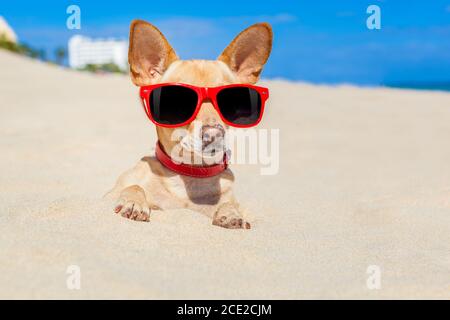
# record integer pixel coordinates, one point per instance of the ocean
(440, 86)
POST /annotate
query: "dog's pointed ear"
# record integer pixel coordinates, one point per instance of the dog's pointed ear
(249, 51)
(149, 53)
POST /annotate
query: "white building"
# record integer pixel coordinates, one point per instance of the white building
(84, 51)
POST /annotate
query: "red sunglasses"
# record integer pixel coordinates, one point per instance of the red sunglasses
(176, 104)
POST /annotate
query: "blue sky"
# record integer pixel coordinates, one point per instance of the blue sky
(316, 41)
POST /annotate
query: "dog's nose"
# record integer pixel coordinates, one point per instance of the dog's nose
(212, 134)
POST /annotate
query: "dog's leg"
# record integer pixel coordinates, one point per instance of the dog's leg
(132, 204)
(132, 193)
(228, 216)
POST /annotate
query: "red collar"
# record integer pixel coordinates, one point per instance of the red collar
(188, 170)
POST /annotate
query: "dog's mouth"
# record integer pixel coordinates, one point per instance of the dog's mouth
(213, 148)
(199, 147)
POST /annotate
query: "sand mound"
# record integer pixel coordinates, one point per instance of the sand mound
(364, 180)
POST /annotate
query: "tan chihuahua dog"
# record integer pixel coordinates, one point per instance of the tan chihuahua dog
(150, 184)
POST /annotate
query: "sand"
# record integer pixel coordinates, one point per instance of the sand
(364, 180)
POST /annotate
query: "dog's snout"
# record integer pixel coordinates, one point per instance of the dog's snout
(212, 134)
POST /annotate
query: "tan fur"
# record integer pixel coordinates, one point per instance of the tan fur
(149, 185)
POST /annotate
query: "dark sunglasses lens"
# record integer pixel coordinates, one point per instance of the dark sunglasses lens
(172, 104)
(240, 105)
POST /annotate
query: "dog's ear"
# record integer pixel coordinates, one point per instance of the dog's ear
(149, 53)
(248, 52)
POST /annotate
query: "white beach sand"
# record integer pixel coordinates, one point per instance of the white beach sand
(364, 180)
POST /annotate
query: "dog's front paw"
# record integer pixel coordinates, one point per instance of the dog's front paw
(133, 205)
(228, 216)
(132, 210)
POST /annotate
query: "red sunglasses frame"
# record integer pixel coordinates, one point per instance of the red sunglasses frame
(203, 93)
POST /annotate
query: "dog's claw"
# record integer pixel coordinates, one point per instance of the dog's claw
(132, 205)
(231, 223)
(228, 216)
(135, 214)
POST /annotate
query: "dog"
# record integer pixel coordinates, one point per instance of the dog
(155, 183)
